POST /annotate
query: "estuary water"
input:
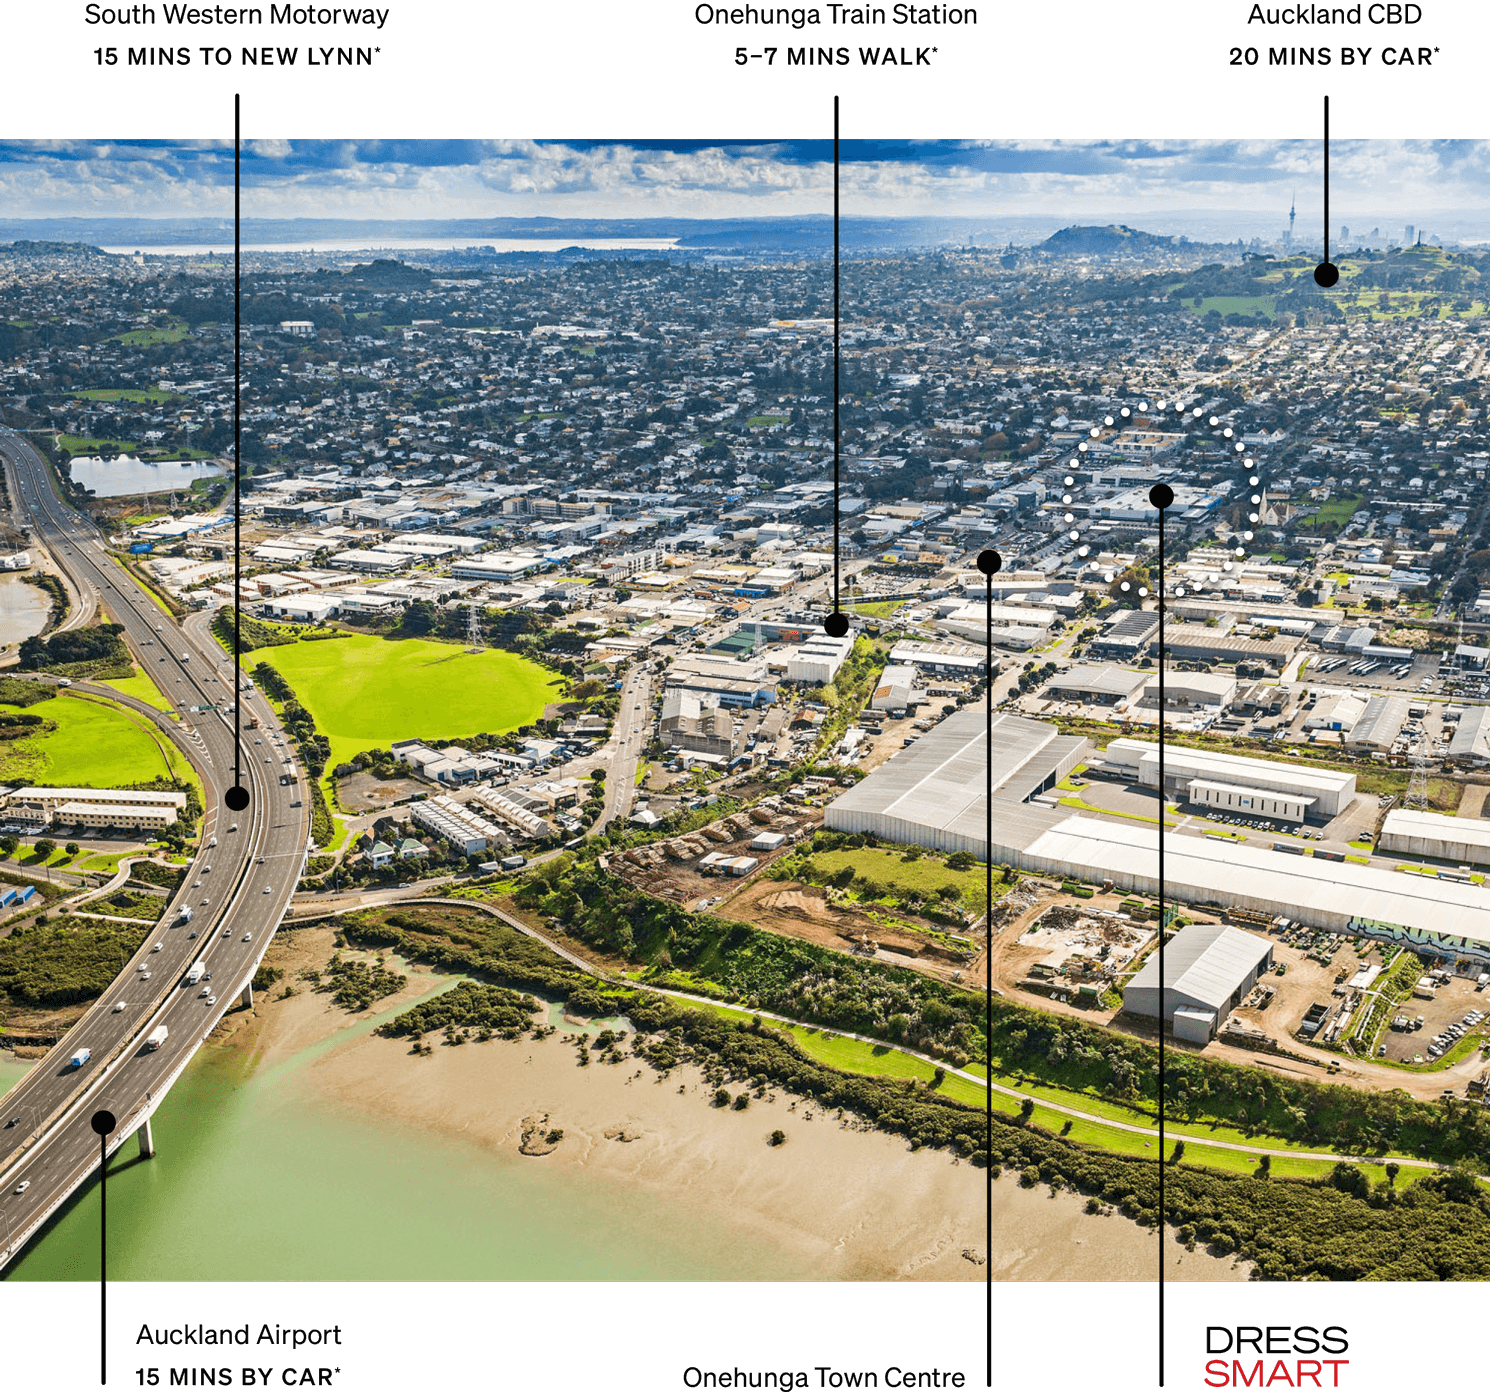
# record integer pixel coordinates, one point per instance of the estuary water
(23, 610)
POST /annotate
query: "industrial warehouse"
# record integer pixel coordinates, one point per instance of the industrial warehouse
(1207, 972)
(932, 794)
(1214, 778)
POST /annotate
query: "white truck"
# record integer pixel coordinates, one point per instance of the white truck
(79, 1057)
(194, 974)
(157, 1038)
(183, 915)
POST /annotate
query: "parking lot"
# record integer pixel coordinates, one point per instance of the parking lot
(1443, 1022)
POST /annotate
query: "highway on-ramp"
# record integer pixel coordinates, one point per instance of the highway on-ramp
(237, 886)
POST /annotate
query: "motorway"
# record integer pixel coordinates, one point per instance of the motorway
(237, 887)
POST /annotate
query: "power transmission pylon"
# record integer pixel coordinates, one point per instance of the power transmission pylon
(475, 643)
(1417, 786)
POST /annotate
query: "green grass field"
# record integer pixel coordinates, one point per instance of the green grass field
(367, 692)
(95, 744)
(1235, 304)
(153, 394)
(141, 687)
(91, 445)
(925, 876)
(169, 334)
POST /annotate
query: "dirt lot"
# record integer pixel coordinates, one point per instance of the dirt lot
(891, 741)
(805, 913)
(670, 868)
(364, 793)
(1304, 982)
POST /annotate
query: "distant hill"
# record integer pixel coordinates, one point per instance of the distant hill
(1096, 242)
(389, 273)
(30, 248)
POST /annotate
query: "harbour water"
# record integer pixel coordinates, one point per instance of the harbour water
(409, 244)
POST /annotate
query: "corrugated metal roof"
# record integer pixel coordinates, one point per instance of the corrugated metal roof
(1210, 870)
(1419, 823)
(937, 785)
(1205, 963)
(1472, 736)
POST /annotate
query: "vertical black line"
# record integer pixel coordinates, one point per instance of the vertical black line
(103, 1207)
(237, 442)
(103, 1259)
(837, 422)
(988, 973)
(1159, 591)
(1326, 179)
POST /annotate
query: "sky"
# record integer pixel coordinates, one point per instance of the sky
(1144, 183)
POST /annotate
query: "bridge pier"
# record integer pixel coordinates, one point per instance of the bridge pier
(147, 1140)
(247, 1000)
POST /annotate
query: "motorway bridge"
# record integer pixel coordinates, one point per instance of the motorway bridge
(238, 885)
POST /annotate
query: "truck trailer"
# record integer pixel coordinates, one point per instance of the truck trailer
(157, 1038)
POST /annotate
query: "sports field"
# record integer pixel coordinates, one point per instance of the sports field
(367, 692)
(93, 743)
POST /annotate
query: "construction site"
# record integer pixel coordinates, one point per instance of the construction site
(1077, 953)
(700, 869)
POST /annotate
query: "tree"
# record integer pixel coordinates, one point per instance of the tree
(73, 850)
(777, 1138)
(45, 847)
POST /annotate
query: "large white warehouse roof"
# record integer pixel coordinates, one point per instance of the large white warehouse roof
(1441, 917)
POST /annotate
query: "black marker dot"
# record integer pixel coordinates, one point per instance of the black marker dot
(1161, 496)
(836, 624)
(103, 1123)
(1326, 274)
(236, 798)
(989, 562)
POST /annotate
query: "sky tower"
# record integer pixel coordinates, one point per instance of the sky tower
(1293, 213)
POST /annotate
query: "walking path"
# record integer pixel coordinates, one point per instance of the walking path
(1171, 1134)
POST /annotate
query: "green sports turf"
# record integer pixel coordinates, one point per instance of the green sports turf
(367, 692)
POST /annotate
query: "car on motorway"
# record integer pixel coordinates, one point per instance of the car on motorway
(159, 945)
(227, 933)
(212, 998)
(247, 936)
(268, 890)
(11, 1123)
(205, 993)
(21, 1186)
(232, 828)
(144, 974)
(119, 1007)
